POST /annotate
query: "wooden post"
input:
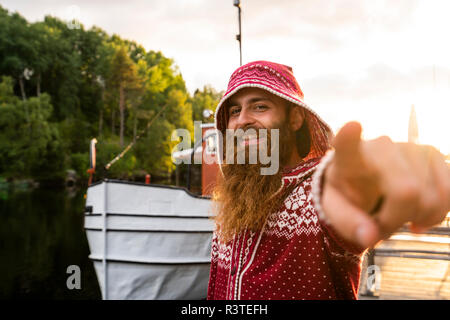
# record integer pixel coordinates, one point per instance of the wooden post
(91, 172)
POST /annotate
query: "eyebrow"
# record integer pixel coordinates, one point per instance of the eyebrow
(232, 103)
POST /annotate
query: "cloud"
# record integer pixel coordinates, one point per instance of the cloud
(375, 82)
(329, 25)
(333, 13)
(319, 38)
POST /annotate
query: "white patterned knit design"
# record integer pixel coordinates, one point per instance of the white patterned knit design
(290, 221)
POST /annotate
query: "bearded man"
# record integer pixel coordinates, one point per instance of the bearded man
(301, 232)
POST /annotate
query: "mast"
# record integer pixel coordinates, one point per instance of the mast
(237, 3)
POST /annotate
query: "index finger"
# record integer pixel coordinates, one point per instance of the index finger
(347, 144)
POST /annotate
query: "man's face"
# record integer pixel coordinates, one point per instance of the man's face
(257, 108)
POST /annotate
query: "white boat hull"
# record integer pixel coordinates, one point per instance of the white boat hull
(153, 241)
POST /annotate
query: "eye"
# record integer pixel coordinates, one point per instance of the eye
(261, 107)
(234, 111)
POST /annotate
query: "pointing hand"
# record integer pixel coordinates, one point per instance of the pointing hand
(372, 188)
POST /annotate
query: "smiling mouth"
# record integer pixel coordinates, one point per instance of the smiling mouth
(250, 140)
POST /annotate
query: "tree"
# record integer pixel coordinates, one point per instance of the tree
(123, 78)
(80, 80)
(28, 147)
(208, 98)
(16, 47)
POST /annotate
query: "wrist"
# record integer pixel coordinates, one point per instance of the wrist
(317, 184)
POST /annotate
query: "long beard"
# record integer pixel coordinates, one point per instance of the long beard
(244, 197)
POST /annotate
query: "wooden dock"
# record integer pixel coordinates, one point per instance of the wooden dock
(410, 266)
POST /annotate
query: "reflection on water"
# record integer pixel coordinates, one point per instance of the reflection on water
(41, 234)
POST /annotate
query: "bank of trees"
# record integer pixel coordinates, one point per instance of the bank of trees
(60, 87)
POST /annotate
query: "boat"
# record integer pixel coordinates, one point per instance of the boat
(149, 241)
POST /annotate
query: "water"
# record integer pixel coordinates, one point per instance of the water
(41, 234)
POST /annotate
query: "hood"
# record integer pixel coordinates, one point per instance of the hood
(279, 80)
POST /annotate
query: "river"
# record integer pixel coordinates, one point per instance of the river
(42, 234)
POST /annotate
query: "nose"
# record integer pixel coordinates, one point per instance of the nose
(244, 120)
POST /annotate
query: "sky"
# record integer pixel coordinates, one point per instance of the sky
(363, 60)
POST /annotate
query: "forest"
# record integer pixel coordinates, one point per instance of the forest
(62, 86)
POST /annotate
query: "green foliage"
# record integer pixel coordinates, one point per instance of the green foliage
(85, 84)
(6, 91)
(29, 145)
(154, 149)
(123, 70)
(75, 132)
(208, 98)
(79, 162)
(107, 150)
(17, 49)
(123, 78)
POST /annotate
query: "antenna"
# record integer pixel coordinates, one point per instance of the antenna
(237, 3)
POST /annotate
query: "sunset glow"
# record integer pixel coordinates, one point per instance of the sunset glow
(355, 60)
